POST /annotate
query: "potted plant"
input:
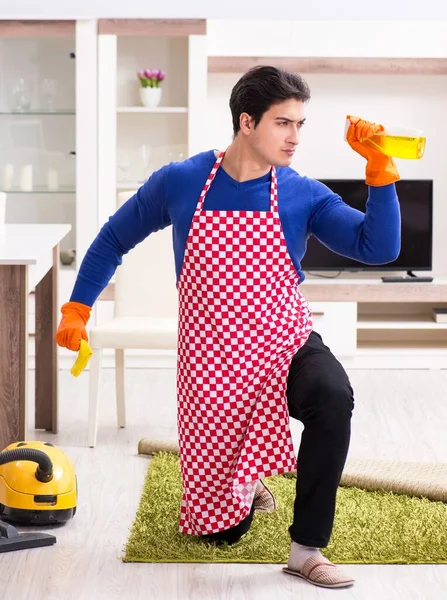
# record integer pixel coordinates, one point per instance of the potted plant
(150, 90)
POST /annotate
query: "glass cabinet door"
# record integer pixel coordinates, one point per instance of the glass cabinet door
(38, 126)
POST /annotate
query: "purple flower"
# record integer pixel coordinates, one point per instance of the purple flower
(151, 77)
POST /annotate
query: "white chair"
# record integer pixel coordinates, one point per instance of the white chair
(145, 315)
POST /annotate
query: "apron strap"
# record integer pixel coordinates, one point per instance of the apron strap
(208, 182)
(212, 175)
(273, 192)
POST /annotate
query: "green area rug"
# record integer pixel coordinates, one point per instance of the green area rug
(370, 527)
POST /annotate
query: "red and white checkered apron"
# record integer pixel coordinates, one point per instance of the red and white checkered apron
(241, 320)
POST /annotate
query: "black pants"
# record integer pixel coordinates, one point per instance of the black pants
(320, 396)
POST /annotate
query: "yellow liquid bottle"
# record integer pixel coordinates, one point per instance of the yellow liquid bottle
(397, 142)
(398, 146)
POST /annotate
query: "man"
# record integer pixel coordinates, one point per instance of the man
(247, 355)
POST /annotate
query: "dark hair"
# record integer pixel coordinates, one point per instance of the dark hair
(260, 88)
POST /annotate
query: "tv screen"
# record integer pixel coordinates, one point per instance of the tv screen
(416, 206)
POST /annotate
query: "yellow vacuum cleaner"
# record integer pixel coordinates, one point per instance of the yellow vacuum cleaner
(45, 494)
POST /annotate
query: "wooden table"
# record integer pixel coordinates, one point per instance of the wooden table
(29, 260)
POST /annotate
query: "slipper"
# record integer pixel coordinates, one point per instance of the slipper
(264, 500)
(322, 572)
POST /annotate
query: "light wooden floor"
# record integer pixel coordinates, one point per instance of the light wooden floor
(398, 414)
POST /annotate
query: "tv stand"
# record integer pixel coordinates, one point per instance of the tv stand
(409, 278)
(368, 324)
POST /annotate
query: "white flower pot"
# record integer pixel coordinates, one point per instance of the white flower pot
(150, 97)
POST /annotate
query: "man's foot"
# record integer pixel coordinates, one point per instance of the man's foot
(264, 500)
(232, 535)
(309, 564)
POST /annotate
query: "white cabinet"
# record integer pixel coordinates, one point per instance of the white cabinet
(81, 124)
(46, 106)
(37, 127)
(371, 324)
(336, 322)
(134, 140)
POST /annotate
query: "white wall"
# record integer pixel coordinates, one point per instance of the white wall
(245, 37)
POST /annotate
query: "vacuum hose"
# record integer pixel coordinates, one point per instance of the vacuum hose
(44, 471)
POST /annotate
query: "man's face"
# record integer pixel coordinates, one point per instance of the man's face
(275, 138)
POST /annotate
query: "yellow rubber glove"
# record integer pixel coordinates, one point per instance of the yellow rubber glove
(380, 169)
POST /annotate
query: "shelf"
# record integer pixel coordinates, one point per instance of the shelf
(374, 291)
(332, 65)
(156, 110)
(32, 113)
(407, 322)
(37, 29)
(42, 190)
(152, 27)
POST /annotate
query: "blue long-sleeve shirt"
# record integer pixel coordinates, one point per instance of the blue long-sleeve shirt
(306, 207)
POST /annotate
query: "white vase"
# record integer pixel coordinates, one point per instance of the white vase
(150, 97)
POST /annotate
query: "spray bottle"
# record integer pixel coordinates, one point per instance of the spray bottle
(397, 142)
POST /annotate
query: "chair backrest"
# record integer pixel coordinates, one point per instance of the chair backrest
(145, 284)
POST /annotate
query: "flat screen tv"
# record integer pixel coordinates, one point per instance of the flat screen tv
(416, 206)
